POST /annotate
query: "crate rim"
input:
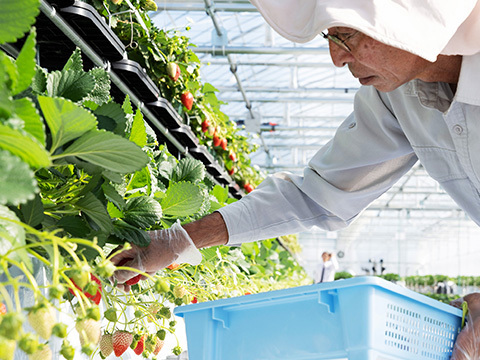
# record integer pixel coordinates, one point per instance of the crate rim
(316, 288)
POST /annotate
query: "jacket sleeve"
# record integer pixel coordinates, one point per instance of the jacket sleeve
(367, 155)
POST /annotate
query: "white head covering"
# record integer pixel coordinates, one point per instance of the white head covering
(426, 28)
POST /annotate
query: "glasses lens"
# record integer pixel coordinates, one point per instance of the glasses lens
(339, 42)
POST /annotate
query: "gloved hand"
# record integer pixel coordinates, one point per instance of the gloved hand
(467, 346)
(166, 246)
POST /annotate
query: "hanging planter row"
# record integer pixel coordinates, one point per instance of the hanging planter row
(55, 45)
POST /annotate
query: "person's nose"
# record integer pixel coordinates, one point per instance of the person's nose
(340, 57)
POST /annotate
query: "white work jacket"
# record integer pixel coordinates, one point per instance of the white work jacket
(374, 147)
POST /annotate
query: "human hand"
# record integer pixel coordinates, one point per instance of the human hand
(467, 346)
(166, 246)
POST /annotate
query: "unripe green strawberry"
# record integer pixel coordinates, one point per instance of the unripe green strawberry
(161, 334)
(106, 344)
(121, 341)
(105, 269)
(67, 350)
(165, 312)
(179, 291)
(88, 349)
(56, 292)
(94, 313)
(153, 310)
(177, 350)
(88, 331)
(7, 348)
(11, 325)
(43, 353)
(150, 5)
(173, 71)
(80, 276)
(28, 343)
(111, 315)
(42, 319)
(150, 343)
(60, 330)
(162, 286)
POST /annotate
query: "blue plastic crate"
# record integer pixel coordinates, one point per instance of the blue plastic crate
(362, 318)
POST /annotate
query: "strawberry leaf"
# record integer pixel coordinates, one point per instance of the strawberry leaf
(33, 124)
(94, 208)
(12, 236)
(17, 181)
(26, 148)
(26, 64)
(138, 135)
(109, 151)
(66, 120)
(16, 18)
(182, 199)
(142, 212)
(70, 84)
(130, 233)
(189, 169)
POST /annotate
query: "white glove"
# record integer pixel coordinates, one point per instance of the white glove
(166, 247)
(467, 346)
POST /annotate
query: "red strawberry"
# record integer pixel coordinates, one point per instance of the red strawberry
(158, 346)
(232, 170)
(140, 346)
(216, 140)
(121, 342)
(88, 331)
(3, 309)
(232, 155)
(133, 280)
(173, 266)
(248, 187)
(106, 344)
(194, 300)
(187, 100)
(205, 125)
(42, 319)
(173, 71)
(95, 297)
(224, 144)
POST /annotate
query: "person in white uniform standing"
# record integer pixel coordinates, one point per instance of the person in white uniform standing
(419, 66)
(327, 268)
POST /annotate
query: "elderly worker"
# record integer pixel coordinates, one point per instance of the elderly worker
(419, 64)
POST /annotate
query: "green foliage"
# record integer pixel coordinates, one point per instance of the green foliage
(445, 298)
(17, 182)
(182, 199)
(391, 277)
(343, 275)
(80, 174)
(16, 18)
(155, 50)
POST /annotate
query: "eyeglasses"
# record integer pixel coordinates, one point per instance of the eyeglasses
(341, 43)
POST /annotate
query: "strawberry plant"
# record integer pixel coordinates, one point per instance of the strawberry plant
(81, 174)
(174, 67)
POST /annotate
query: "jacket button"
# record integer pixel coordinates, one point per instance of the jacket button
(457, 129)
